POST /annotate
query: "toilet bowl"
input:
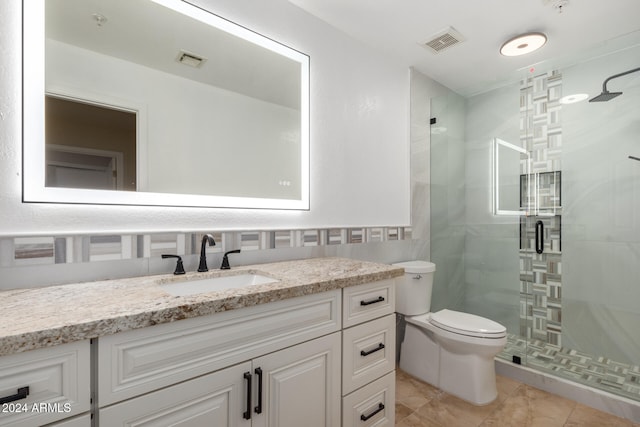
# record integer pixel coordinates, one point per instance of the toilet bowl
(451, 350)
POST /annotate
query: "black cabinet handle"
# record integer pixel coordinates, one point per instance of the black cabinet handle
(366, 353)
(247, 414)
(539, 237)
(23, 392)
(258, 372)
(373, 301)
(364, 417)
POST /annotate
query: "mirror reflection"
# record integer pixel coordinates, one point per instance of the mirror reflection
(508, 184)
(148, 98)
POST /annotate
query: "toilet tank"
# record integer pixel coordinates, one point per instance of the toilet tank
(413, 290)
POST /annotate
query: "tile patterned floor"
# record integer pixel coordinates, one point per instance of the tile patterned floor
(599, 372)
(518, 405)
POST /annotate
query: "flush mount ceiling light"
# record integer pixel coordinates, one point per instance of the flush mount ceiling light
(523, 44)
(572, 99)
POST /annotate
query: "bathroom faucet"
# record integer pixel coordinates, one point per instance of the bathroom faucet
(225, 259)
(207, 238)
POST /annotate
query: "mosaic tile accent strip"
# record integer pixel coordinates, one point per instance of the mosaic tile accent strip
(541, 281)
(17, 251)
(540, 124)
(540, 188)
(34, 250)
(599, 372)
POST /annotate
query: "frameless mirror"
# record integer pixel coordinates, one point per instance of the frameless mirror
(508, 161)
(159, 102)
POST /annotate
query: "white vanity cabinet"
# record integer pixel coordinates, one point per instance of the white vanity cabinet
(275, 364)
(215, 399)
(46, 385)
(368, 361)
(297, 386)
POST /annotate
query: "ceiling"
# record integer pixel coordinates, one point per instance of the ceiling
(152, 35)
(398, 27)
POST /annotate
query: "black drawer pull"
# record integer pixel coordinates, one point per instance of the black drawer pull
(258, 372)
(373, 301)
(364, 417)
(247, 414)
(366, 353)
(23, 392)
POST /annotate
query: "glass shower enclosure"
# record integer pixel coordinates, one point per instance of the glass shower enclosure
(535, 214)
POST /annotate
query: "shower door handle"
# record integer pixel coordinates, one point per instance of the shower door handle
(539, 237)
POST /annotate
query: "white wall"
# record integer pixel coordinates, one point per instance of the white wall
(359, 137)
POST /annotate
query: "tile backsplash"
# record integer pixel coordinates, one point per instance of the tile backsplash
(49, 250)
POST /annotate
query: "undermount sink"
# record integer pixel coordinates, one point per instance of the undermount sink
(192, 287)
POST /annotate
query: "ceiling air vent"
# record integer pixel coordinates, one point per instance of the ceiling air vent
(443, 40)
(190, 59)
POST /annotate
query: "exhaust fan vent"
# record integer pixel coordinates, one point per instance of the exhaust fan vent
(443, 40)
(190, 59)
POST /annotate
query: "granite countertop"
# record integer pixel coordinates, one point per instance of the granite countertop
(48, 316)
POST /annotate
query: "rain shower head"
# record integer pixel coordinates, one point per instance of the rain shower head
(606, 95)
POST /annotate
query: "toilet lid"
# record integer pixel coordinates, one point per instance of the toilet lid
(467, 324)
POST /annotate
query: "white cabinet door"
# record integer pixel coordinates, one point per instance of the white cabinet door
(300, 385)
(45, 385)
(215, 400)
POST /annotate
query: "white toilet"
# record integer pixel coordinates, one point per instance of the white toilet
(451, 350)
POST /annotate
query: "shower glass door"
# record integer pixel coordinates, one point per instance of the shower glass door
(601, 225)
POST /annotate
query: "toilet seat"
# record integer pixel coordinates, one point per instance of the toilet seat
(467, 324)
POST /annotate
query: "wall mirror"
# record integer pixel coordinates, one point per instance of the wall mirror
(508, 161)
(159, 102)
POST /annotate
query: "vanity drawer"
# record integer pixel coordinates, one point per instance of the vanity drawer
(368, 352)
(368, 301)
(143, 360)
(81, 421)
(57, 379)
(373, 404)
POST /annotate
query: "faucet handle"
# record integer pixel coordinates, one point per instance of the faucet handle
(225, 259)
(179, 267)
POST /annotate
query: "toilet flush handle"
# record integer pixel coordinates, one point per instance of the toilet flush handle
(417, 277)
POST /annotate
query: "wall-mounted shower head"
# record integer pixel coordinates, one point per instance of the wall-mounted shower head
(606, 95)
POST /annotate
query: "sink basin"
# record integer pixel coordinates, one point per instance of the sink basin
(211, 284)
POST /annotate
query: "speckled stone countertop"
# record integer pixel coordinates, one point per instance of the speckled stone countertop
(44, 317)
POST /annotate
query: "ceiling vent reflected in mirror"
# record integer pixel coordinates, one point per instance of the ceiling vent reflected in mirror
(443, 40)
(190, 59)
